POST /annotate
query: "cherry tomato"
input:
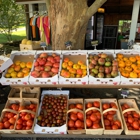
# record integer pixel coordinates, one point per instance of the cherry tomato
(93, 117)
(88, 105)
(117, 122)
(71, 123)
(73, 117)
(1, 125)
(110, 117)
(106, 122)
(106, 106)
(18, 127)
(89, 112)
(29, 123)
(114, 127)
(71, 106)
(136, 115)
(96, 104)
(96, 126)
(12, 120)
(136, 125)
(78, 123)
(80, 116)
(130, 119)
(88, 123)
(6, 124)
(79, 106)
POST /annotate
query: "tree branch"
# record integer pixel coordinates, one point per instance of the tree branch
(94, 7)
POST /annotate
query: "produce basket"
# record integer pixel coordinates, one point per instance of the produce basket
(77, 110)
(133, 108)
(116, 117)
(73, 73)
(15, 75)
(25, 93)
(3, 115)
(102, 68)
(98, 131)
(46, 68)
(49, 129)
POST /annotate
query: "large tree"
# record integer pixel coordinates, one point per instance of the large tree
(69, 19)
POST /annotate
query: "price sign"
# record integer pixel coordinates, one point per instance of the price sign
(124, 93)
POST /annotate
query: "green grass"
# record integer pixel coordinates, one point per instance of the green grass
(17, 36)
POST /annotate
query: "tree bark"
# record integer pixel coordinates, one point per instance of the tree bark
(69, 19)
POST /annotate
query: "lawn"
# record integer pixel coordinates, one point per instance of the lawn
(17, 36)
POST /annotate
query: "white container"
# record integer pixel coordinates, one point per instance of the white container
(5, 62)
(124, 80)
(51, 80)
(22, 56)
(74, 56)
(105, 81)
(51, 130)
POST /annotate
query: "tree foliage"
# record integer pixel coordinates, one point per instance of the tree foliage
(11, 16)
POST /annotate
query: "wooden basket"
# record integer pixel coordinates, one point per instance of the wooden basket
(8, 131)
(98, 131)
(82, 131)
(134, 107)
(117, 116)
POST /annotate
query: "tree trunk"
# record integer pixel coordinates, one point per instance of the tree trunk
(69, 19)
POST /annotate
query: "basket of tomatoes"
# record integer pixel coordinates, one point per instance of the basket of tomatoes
(8, 120)
(130, 116)
(75, 117)
(93, 117)
(111, 117)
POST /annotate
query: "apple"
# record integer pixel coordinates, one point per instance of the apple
(108, 63)
(36, 63)
(43, 55)
(95, 71)
(37, 68)
(56, 65)
(90, 66)
(45, 74)
(47, 68)
(55, 70)
(48, 63)
(101, 61)
(42, 62)
(35, 74)
(101, 75)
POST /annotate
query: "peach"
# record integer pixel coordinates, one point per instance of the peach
(69, 67)
(83, 67)
(12, 66)
(79, 71)
(43, 55)
(72, 75)
(22, 64)
(14, 74)
(26, 74)
(29, 65)
(83, 75)
(66, 59)
(84, 72)
(17, 62)
(25, 70)
(17, 68)
(72, 70)
(10, 70)
(7, 75)
(70, 63)
(78, 76)
(20, 74)
(66, 74)
(80, 62)
(76, 66)
(64, 65)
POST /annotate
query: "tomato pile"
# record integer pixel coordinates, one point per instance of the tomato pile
(132, 118)
(76, 117)
(8, 120)
(109, 117)
(53, 111)
(93, 116)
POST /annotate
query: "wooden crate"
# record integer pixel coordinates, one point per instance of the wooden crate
(7, 131)
(117, 116)
(74, 101)
(132, 103)
(94, 131)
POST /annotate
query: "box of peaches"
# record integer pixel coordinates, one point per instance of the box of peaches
(18, 72)
(45, 68)
(73, 68)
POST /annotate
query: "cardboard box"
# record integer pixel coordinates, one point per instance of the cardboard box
(117, 116)
(24, 56)
(5, 62)
(105, 81)
(133, 107)
(98, 131)
(51, 130)
(25, 93)
(75, 101)
(124, 80)
(35, 45)
(74, 56)
(51, 80)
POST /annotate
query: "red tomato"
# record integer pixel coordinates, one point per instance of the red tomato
(15, 116)
(96, 126)
(78, 123)
(71, 106)
(136, 125)
(88, 123)
(11, 126)
(93, 117)
(105, 106)
(107, 127)
(18, 127)
(80, 116)
(129, 112)
(15, 107)
(79, 106)
(96, 104)
(6, 124)
(21, 108)
(24, 123)
(19, 121)
(88, 105)
(10, 115)
(112, 104)
(112, 112)
(12, 120)
(73, 117)
(106, 122)
(89, 112)
(33, 116)
(6, 114)
(4, 119)
(1, 125)
(114, 127)
(126, 105)
(130, 119)
(71, 123)
(136, 115)
(31, 106)
(27, 117)
(29, 123)
(117, 122)
(98, 114)
(28, 128)
(109, 117)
